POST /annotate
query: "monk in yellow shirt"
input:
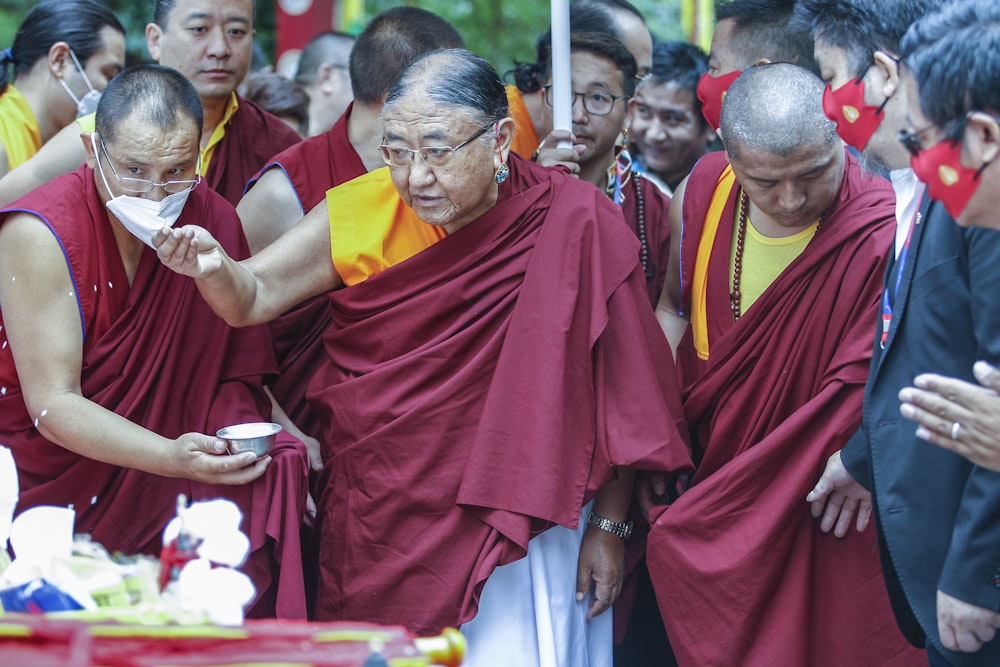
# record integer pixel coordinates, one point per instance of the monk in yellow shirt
(64, 53)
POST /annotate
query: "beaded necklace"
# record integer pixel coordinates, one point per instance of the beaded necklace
(619, 174)
(741, 236)
(735, 295)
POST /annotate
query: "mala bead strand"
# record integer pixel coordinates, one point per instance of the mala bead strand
(735, 295)
(640, 201)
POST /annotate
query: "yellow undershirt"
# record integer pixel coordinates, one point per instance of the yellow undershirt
(372, 229)
(764, 258)
(20, 135)
(87, 123)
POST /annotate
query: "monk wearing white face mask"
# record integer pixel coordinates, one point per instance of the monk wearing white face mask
(114, 373)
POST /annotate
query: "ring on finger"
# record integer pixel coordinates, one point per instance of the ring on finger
(955, 428)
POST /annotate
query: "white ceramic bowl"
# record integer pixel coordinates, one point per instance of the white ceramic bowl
(256, 437)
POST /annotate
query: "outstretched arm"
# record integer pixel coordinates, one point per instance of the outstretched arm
(296, 266)
(60, 155)
(668, 311)
(43, 328)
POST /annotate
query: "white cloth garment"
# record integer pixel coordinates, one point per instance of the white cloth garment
(528, 613)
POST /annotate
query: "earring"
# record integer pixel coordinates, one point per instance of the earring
(502, 173)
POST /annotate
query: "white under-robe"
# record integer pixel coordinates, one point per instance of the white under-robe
(528, 614)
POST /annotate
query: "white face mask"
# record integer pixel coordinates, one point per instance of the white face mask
(88, 103)
(143, 217)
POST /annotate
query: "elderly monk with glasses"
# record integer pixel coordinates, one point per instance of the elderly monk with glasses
(494, 376)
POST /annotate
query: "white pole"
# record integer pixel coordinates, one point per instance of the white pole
(562, 97)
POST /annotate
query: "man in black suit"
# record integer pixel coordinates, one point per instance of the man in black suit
(938, 515)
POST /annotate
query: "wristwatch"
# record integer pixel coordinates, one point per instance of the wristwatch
(622, 529)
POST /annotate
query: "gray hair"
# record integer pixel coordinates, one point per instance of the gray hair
(777, 108)
(454, 78)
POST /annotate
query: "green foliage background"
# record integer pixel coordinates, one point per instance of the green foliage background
(501, 30)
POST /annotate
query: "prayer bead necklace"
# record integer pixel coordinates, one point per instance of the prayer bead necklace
(640, 201)
(735, 296)
(741, 234)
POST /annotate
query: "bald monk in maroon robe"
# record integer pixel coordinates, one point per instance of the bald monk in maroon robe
(768, 397)
(112, 367)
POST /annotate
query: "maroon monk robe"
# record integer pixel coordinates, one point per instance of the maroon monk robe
(252, 137)
(313, 166)
(738, 557)
(656, 228)
(156, 354)
(480, 392)
(316, 164)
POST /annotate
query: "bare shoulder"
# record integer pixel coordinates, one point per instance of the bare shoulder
(269, 209)
(28, 245)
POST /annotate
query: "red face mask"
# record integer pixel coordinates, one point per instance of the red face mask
(947, 180)
(712, 91)
(856, 121)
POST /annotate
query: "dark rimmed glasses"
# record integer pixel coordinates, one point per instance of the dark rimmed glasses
(911, 140)
(594, 102)
(433, 156)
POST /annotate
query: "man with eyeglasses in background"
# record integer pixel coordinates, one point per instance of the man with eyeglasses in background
(114, 372)
(603, 74)
(936, 513)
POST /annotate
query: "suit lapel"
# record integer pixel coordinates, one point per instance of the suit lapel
(905, 282)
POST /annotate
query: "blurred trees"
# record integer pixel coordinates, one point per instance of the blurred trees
(501, 30)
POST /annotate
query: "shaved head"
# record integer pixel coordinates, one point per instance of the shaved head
(776, 108)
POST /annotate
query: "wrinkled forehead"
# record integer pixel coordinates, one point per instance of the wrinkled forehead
(806, 159)
(140, 127)
(414, 117)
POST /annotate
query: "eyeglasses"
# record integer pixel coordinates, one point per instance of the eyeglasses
(144, 185)
(911, 140)
(594, 102)
(433, 156)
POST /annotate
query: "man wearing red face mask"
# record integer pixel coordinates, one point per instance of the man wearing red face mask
(935, 511)
(748, 33)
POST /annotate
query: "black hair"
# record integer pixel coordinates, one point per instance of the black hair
(762, 31)
(279, 96)
(616, 4)
(163, 94)
(76, 22)
(457, 78)
(330, 48)
(955, 56)
(860, 27)
(389, 43)
(584, 17)
(605, 46)
(680, 63)
(162, 9)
